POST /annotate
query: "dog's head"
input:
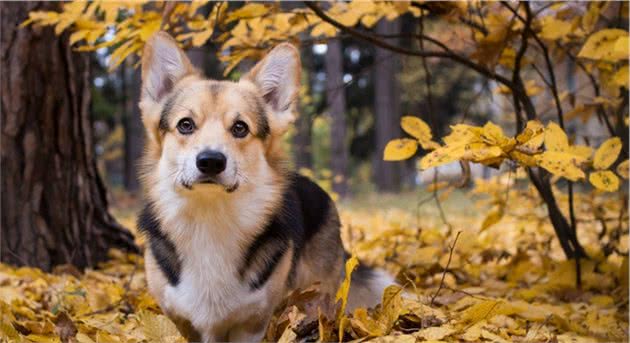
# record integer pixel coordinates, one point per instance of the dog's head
(209, 134)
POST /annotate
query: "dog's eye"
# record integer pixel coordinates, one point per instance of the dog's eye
(186, 126)
(240, 129)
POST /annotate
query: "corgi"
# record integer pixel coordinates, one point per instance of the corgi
(229, 229)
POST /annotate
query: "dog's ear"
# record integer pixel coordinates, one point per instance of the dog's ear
(163, 64)
(277, 77)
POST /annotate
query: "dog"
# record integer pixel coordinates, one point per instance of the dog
(229, 229)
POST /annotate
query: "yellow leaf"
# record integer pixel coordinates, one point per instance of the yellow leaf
(344, 288)
(481, 153)
(622, 169)
(604, 180)
(149, 28)
(589, 19)
(77, 36)
(391, 307)
(620, 50)
(555, 138)
(523, 158)
(200, 38)
(584, 111)
(251, 10)
(532, 88)
(110, 9)
(620, 78)
(553, 29)
(121, 53)
(602, 300)
(492, 218)
(561, 164)
(43, 338)
(361, 320)
(473, 333)
(531, 138)
(416, 127)
(370, 19)
(288, 336)
(534, 130)
(492, 337)
(602, 45)
(325, 29)
(607, 153)
(582, 151)
(348, 17)
(400, 149)
(157, 327)
(480, 311)
(493, 134)
(435, 333)
(462, 134)
(442, 156)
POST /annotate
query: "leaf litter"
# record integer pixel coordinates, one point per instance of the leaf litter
(506, 283)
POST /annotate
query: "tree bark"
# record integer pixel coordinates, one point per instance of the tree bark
(336, 101)
(54, 206)
(387, 175)
(134, 131)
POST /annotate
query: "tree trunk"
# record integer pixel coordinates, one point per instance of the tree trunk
(54, 207)
(336, 101)
(134, 131)
(387, 175)
(302, 140)
(302, 155)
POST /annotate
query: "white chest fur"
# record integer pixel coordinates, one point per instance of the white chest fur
(211, 238)
(210, 290)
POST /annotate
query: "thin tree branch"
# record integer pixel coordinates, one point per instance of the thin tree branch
(552, 84)
(370, 38)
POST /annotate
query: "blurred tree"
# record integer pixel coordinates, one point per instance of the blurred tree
(387, 175)
(54, 207)
(302, 140)
(336, 101)
(134, 131)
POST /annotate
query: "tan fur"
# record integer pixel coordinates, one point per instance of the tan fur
(256, 163)
(201, 231)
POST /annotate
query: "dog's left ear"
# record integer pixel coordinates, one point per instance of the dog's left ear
(277, 77)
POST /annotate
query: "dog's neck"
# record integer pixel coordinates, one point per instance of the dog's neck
(235, 215)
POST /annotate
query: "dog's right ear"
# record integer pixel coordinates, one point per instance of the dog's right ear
(163, 65)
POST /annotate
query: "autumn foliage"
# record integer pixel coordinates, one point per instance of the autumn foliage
(536, 253)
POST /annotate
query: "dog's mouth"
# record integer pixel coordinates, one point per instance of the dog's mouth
(210, 181)
(207, 180)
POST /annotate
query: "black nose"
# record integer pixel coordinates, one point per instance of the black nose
(211, 162)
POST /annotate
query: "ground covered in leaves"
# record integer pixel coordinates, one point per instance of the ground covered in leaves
(457, 282)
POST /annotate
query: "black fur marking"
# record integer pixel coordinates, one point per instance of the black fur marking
(315, 204)
(266, 251)
(161, 246)
(269, 267)
(262, 122)
(166, 111)
(305, 208)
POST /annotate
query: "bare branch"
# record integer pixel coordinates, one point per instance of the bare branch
(370, 38)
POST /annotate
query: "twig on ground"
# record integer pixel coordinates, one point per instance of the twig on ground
(448, 263)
